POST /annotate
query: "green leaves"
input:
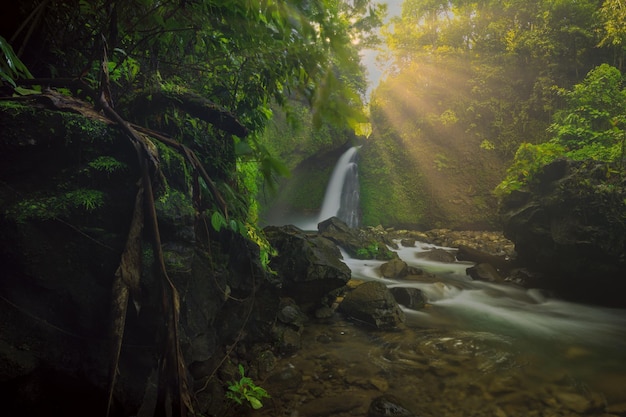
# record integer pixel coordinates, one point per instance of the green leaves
(591, 126)
(11, 67)
(245, 390)
(593, 107)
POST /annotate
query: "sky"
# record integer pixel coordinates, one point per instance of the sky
(368, 56)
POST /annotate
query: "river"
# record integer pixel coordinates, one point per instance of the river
(477, 349)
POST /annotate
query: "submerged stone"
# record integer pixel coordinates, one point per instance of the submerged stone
(388, 405)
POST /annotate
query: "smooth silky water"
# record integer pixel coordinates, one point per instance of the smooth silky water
(476, 349)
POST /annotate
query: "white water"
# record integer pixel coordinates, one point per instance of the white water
(341, 189)
(584, 339)
(341, 198)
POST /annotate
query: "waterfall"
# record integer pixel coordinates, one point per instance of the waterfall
(342, 193)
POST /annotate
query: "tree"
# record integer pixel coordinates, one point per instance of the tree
(179, 72)
(591, 126)
(508, 58)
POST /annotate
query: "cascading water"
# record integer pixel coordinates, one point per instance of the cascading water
(546, 336)
(342, 193)
(476, 349)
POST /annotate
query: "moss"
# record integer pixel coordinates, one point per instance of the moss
(174, 167)
(304, 191)
(175, 206)
(107, 164)
(18, 119)
(58, 205)
(392, 192)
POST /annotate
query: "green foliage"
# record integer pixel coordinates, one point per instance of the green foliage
(11, 67)
(45, 207)
(590, 127)
(368, 252)
(246, 57)
(490, 68)
(175, 204)
(374, 250)
(528, 161)
(292, 137)
(441, 162)
(593, 108)
(392, 191)
(107, 164)
(89, 200)
(245, 390)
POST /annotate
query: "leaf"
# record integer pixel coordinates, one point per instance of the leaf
(255, 403)
(243, 148)
(217, 221)
(25, 91)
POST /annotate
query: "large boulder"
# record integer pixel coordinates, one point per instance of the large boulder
(484, 272)
(570, 226)
(395, 268)
(309, 266)
(373, 303)
(358, 243)
(412, 298)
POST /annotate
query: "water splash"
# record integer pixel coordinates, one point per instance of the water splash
(342, 193)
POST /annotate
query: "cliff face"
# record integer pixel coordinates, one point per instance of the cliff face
(570, 225)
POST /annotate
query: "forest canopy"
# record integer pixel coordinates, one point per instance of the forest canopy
(470, 85)
(240, 54)
(237, 61)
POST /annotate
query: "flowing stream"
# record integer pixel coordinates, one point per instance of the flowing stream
(477, 349)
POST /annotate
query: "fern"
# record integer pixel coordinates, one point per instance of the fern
(107, 164)
(86, 199)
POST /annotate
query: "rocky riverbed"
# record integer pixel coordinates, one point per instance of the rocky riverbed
(343, 367)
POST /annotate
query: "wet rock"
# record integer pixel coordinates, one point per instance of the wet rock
(373, 303)
(289, 340)
(330, 406)
(490, 242)
(264, 360)
(412, 298)
(324, 312)
(576, 402)
(569, 226)
(291, 314)
(395, 268)
(388, 405)
(499, 262)
(407, 242)
(339, 232)
(437, 255)
(484, 272)
(358, 243)
(285, 379)
(619, 409)
(309, 266)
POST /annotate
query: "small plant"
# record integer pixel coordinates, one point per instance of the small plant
(107, 164)
(246, 390)
(374, 251)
